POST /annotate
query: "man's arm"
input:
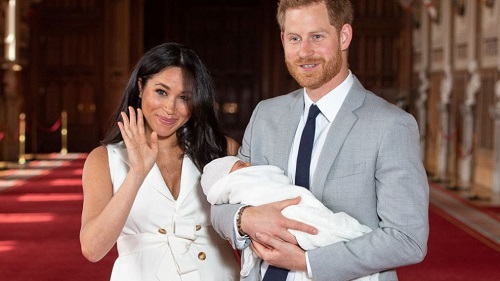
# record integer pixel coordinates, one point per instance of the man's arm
(402, 198)
(222, 217)
(265, 219)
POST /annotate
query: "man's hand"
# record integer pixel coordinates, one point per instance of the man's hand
(279, 253)
(267, 219)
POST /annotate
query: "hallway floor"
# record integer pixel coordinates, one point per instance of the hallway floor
(477, 208)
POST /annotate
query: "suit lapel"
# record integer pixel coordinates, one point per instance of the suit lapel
(286, 132)
(339, 130)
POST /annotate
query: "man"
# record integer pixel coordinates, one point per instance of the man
(365, 159)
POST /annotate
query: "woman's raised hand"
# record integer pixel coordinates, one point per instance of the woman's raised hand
(141, 153)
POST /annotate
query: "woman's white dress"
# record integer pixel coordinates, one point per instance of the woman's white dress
(167, 239)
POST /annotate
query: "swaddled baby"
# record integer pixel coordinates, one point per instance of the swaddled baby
(230, 180)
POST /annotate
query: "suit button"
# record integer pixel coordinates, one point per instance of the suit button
(198, 227)
(202, 256)
(162, 231)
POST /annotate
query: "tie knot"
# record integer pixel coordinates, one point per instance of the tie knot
(313, 111)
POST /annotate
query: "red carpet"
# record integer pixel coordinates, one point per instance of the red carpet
(39, 228)
(455, 253)
(40, 221)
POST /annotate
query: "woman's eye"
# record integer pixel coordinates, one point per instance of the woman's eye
(161, 92)
(184, 98)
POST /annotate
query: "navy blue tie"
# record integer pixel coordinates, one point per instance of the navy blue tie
(302, 171)
(274, 273)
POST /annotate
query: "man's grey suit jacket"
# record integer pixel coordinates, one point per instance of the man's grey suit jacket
(369, 167)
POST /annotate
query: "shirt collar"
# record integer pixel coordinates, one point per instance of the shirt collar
(330, 104)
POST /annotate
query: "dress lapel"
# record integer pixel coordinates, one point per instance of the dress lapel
(189, 177)
(156, 181)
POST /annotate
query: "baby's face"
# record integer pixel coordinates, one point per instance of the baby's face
(238, 165)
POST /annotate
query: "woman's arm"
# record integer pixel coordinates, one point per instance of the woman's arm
(232, 146)
(105, 214)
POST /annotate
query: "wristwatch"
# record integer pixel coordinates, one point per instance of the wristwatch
(238, 220)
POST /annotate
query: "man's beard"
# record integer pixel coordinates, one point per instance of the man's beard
(320, 76)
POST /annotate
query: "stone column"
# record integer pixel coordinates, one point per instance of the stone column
(444, 144)
(495, 112)
(466, 156)
(465, 175)
(422, 110)
(442, 163)
(12, 104)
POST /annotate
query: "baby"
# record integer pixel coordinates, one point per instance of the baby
(230, 180)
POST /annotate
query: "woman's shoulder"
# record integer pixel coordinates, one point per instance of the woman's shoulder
(102, 153)
(97, 155)
(96, 163)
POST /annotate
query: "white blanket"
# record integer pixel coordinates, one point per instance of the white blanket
(258, 185)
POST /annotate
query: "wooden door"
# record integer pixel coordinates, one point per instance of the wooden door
(227, 37)
(377, 55)
(66, 74)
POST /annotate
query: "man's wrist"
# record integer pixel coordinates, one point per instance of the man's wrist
(238, 220)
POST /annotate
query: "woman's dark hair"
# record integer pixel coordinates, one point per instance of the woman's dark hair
(200, 137)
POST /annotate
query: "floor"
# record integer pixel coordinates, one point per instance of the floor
(465, 206)
(12, 173)
(475, 213)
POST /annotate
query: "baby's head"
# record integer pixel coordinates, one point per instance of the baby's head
(238, 165)
(220, 167)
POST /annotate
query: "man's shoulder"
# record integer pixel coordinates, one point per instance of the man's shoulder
(378, 105)
(280, 101)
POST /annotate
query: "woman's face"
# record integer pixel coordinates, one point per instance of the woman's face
(166, 101)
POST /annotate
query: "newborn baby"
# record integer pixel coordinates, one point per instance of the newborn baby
(230, 180)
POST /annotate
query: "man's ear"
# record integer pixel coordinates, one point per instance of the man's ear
(345, 36)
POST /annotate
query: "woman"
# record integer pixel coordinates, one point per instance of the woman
(141, 188)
